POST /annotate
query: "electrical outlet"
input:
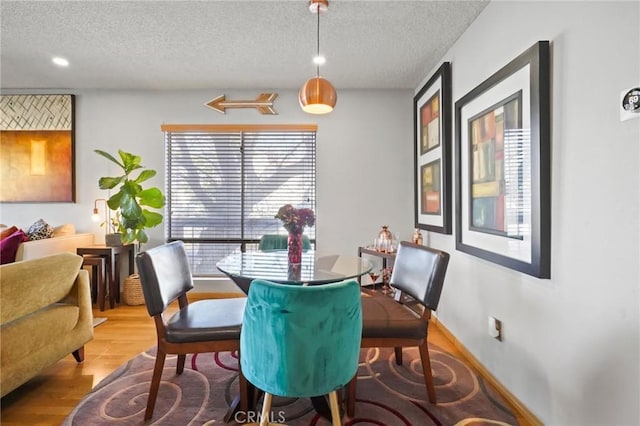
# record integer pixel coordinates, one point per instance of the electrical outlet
(495, 328)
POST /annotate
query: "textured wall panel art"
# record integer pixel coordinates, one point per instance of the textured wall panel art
(37, 161)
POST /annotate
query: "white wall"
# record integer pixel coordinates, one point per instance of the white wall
(571, 344)
(364, 156)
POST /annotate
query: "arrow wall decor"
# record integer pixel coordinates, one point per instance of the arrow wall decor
(263, 103)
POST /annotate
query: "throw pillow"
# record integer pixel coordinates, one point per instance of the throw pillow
(40, 230)
(9, 246)
(7, 231)
(62, 230)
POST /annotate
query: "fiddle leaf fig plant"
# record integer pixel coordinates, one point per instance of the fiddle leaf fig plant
(131, 198)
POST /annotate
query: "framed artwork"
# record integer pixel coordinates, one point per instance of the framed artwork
(432, 152)
(38, 148)
(503, 202)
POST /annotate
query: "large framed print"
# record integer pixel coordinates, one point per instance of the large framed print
(38, 148)
(503, 212)
(432, 152)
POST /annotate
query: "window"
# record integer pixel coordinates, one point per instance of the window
(226, 183)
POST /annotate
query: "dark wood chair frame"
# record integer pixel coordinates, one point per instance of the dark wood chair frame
(159, 292)
(427, 302)
(182, 350)
(397, 344)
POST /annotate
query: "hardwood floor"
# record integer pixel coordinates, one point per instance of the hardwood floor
(51, 396)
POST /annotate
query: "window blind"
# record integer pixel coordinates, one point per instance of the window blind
(224, 188)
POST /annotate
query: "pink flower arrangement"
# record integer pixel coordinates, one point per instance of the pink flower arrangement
(294, 220)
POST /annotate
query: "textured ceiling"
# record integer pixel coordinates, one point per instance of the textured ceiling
(225, 44)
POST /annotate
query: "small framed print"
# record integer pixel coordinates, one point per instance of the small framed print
(503, 166)
(430, 124)
(432, 152)
(430, 188)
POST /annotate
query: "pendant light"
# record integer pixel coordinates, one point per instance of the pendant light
(317, 95)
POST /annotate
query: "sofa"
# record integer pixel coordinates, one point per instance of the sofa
(48, 246)
(41, 239)
(45, 316)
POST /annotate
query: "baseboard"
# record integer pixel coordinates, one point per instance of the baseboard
(522, 411)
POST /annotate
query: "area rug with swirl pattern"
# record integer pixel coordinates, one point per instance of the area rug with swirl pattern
(388, 394)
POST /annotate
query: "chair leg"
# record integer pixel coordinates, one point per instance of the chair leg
(245, 393)
(155, 384)
(426, 367)
(335, 409)
(266, 408)
(180, 364)
(351, 396)
(398, 352)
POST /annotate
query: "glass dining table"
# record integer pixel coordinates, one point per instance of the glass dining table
(244, 267)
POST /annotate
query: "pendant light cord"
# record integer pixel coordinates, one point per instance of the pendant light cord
(318, 42)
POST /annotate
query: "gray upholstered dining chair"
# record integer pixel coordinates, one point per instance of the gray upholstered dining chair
(419, 272)
(203, 326)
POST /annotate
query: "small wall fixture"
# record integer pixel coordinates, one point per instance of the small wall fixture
(317, 95)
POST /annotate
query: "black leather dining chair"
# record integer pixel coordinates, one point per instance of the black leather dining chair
(203, 326)
(419, 272)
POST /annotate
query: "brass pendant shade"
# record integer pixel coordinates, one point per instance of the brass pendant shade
(317, 95)
(318, 5)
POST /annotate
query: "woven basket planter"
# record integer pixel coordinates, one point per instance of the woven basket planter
(132, 291)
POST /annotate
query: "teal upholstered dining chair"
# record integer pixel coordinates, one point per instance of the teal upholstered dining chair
(279, 242)
(301, 341)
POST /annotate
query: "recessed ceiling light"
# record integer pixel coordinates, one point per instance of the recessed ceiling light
(61, 62)
(319, 60)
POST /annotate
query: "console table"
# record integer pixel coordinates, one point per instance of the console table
(386, 257)
(111, 255)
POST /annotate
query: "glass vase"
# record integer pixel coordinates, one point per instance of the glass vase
(294, 272)
(294, 247)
